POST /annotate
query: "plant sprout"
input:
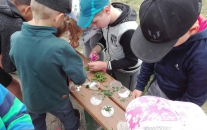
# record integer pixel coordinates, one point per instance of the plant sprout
(107, 108)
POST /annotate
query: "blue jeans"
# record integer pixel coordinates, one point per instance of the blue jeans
(65, 114)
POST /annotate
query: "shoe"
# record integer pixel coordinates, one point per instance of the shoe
(77, 113)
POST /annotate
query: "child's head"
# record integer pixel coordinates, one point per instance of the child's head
(24, 8)
(95, 13)
(50, 12)
(163, 25)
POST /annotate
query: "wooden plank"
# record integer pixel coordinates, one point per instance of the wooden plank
(83, 97)
(115, 97)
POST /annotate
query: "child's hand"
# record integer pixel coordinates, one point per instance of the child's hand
(136, 93)
(97, 66)
(94, 56)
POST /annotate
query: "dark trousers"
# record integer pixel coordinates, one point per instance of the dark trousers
(65, 114)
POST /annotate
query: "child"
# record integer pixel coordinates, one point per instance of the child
(118, 23)
(88, 37)
(155, 113)
(12, 14)
(171, 46)
(13, 114)
(46, 64)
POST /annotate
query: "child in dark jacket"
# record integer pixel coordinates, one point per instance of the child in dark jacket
(12, 14)
(171, 47)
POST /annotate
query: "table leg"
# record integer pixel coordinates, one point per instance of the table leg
(89, 121)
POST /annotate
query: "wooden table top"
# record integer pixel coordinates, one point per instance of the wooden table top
(83, 97)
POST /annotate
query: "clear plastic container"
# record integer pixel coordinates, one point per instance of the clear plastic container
(75, 88)
(115, 85)
(124, 92)
(108, 113)
(122, 125)
(96, 99)
(94, 85)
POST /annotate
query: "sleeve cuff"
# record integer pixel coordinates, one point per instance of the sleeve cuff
(109, 65)
(101, 46)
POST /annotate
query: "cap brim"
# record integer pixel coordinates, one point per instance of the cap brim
(148, 51)
(84, 22)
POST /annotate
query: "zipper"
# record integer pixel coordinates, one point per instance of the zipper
(108, 43)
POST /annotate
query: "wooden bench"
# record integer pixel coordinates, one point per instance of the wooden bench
(94, 112)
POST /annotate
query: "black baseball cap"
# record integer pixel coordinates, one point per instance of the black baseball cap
(162, 23)
(63, 6)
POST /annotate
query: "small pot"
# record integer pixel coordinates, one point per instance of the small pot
(93, 85)
(107, 113)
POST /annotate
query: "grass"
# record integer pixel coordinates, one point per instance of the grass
(135, 4)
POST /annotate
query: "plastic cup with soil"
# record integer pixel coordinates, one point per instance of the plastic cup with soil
(124, 92)
(96, 99)
(107, 111)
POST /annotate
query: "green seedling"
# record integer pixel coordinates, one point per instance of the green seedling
(107, 108)
(123, 100)
(99, 76)
(107, 93)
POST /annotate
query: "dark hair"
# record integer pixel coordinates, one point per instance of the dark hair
(21, 2)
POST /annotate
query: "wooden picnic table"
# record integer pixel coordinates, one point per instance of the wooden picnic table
(94, 112)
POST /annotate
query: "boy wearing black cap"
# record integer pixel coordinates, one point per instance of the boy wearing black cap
(170, 45)
(118, 23)
(46, 63)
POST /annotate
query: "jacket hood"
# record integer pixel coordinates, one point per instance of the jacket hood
(9, 9)
(127, 14)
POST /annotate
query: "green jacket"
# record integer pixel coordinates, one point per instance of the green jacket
(43, 62)
(13, 113)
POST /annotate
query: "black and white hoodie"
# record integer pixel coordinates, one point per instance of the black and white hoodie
(117, 39)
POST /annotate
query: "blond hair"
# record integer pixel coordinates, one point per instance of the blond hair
(70, 26)
(40, 11)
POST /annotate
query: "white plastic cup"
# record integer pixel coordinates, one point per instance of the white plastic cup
(96, 99)
(115, 84)
(124, 92)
